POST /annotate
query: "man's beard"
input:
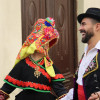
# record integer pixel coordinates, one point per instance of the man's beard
(87, 36)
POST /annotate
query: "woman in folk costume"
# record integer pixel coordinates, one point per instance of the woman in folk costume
(34, 71)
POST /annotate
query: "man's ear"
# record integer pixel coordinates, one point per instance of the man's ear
(97, 27)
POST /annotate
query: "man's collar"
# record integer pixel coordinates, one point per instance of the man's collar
(97, 46)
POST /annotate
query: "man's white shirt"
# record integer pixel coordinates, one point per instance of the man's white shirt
(86, 61)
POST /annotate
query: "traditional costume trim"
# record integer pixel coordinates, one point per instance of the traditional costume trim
(58, 77)
(36, 62)
(27, 85)
(93, 67)
(59, 80)
(49, 67)
(6, 96)
(61, 96)
(33, 65)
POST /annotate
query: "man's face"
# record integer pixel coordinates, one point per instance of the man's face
(86, 29)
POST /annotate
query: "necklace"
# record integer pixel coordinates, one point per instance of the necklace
(36, 72)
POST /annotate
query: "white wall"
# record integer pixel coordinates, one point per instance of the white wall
(91, 3)
(80, 9)
(10, 35)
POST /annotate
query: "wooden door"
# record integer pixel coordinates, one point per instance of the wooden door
(64, 54)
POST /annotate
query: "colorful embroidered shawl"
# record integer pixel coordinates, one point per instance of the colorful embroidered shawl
(44, 32)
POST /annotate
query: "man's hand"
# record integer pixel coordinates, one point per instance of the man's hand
(95, 96)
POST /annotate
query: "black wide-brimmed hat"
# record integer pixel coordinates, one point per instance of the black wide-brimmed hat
(91, 13)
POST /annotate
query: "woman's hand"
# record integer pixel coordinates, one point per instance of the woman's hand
(3, 95)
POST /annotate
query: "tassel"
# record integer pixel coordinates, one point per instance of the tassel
(49, 67)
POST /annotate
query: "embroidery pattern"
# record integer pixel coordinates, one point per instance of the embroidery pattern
(27, 84)
(91, 66)
(31, 64)
(58, 76)
(44, 28)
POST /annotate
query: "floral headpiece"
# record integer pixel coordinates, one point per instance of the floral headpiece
(44, 32)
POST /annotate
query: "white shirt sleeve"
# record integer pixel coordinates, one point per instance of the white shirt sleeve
(69, 95)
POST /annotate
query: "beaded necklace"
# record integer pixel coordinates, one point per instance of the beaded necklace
(37, 63)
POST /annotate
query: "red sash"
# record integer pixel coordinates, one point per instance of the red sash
(81, 95)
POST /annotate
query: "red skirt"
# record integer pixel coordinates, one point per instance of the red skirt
(81, 95)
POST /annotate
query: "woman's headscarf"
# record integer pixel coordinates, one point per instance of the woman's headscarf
(44, 32)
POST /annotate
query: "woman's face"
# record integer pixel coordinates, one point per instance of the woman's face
(46, 48)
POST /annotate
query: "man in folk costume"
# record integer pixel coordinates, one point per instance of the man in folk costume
(87, 76)
(34, 71)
